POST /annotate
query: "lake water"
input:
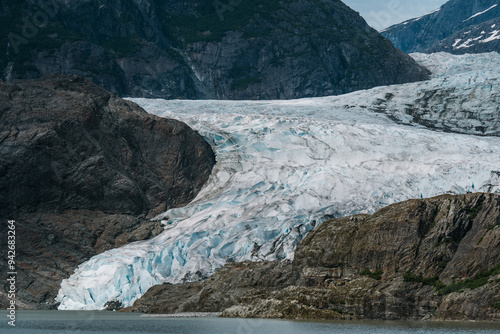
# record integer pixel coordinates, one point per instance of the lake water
(89, 322)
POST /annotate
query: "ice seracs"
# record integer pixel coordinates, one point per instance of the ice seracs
(282, 167)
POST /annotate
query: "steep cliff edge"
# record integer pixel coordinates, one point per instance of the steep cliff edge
(436, 258)
(83, 171)
(202, 49)
(411, 260)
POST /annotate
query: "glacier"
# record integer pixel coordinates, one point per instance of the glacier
(283, 167)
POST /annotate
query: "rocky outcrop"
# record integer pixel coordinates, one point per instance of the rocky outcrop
(202, 49)
(422, 33)
(435, 258)
(412, 260)
(222, 290)
(83, 171)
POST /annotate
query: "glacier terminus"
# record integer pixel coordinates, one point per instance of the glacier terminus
(283, 167)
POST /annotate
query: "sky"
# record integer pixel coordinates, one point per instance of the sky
(381, 14)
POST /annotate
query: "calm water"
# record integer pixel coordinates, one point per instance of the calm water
(73, 322)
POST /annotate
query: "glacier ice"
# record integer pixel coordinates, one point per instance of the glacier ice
(463, 95)
(282, 167)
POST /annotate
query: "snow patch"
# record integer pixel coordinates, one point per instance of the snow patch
(480, 13)
(494, 36)
(467, 43)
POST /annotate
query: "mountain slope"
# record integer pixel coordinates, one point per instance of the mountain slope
(202, 49)
(81, 171)
(484, 37)
(419, 34)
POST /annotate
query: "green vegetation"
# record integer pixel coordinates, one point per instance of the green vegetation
(123, 46)
(28, 35)
(244, 83)
(175, 55)
(496, 305)
(492, 226)
(377, 275)
(442, 264)
(212, 19)
(473, 212)
(243, 77)
(478, 281)
(434, 222)
(440, 285)
(409, 277)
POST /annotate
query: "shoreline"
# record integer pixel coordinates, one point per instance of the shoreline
(183, 315)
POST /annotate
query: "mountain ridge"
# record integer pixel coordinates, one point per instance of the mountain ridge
(193, 49)
(422, 33)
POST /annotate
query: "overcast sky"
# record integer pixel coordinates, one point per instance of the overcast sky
(381, 14)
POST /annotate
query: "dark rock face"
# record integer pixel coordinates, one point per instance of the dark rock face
(480, 38)
(83, 171)
(420, 34)
(435, 258)
(67, 144)
(434, 237)
(298, 49)
(50, 246)
(402, 262)
(222, 290)
(203, 49)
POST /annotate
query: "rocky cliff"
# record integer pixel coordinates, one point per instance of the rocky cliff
(435, 258)
(83, 171)
(222, 290)
(422, 33)
(202, 49)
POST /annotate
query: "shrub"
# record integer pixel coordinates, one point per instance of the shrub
(377, 275)
(409, 277)
(479, 280)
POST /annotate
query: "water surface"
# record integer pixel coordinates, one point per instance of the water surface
(98, 322)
